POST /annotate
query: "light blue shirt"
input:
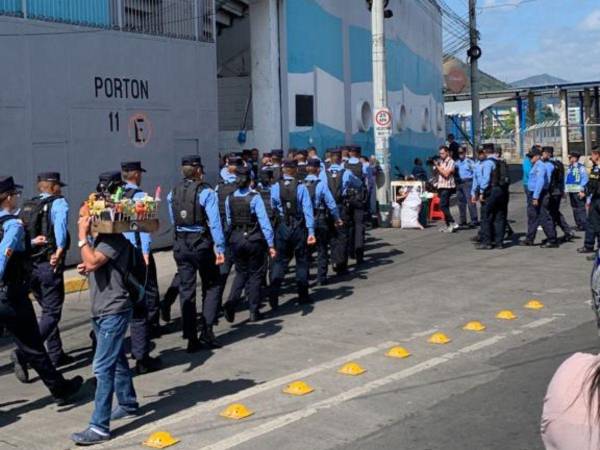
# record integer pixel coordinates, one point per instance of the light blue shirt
(477, 176)
(304, 203)
(323, 196)
(207, 199)
(538, 179)
(227, 176)
(549, 168)
(487, 167)
(526, 169)
(577, 176)
(257, 207)
(466, 168)
(59, 216)
(145, 238)
(12, 241)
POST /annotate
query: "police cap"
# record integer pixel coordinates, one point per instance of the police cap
(535, 151)
(112, 176)
(574, 154)
(335, 151)
(548, 149)
(314, 162)
(7, 184)
(267, 155)
(52, 177)
(290, 163)
(191, 160)
(242, 170)
(302, 151)
(278, 153)
(354, 148)
(130, 166)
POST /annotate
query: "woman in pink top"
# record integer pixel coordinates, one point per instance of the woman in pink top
(571, 418)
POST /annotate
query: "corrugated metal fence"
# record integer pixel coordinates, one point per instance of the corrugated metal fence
(180, 19)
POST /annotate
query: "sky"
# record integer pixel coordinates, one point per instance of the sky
(521, 38)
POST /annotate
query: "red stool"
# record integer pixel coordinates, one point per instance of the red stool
(435, 212)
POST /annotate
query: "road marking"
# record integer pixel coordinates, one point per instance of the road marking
(295, 416)
(540, 322)
(255, 390)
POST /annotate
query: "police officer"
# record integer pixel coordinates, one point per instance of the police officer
(16, 311)
(476, 191)
(592, 192)
(490, 186)
(145, 322)
(556, 173)
(340, 182)
(302, 157)
(356, 201)
(199, 247)
(466, 171)
(251, 235)
(276, 161)
(326, 213)
(46, 220)
(537, 203)
(296, 230)
(576, 180)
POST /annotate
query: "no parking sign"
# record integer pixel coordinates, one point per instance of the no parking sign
(383, 122)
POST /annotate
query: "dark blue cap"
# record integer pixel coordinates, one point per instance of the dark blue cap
(535, 151)
(354, 148)
(247, 152)
(130, 166)
(267, 155)
(278, 153)
(7, 184)
(234, 160)
(302, 151)
(107, 177)
(335, 151)
(242, 170)
(52, 177)
(548, 149)
(314, 162)
(290, 163)
(191, 160)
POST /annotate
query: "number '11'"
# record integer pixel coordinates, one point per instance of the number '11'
(113, 119)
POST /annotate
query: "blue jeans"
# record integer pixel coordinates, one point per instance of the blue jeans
(111, 369)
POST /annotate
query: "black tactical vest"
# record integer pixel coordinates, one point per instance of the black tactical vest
(302, 172)
(18, 268)
(187, 211)
(288, 193)
(241, 213)
(356, 169)
(335, 184)
(37, 220)
(265, 194)
(593, 186)
(224, 190)
(276, 174)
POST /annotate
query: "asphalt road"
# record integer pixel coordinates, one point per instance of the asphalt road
(480, 391)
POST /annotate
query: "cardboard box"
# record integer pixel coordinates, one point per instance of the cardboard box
(108, 227)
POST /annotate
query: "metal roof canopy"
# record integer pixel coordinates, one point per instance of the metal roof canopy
(463, 107)
(513, 94)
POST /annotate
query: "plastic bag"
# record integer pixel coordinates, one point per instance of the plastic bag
(411, 207)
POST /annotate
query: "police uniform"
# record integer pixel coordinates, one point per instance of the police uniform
(491, 188)
(537, 189)
(302, 165)
(593, 198)
(292, 202)
(194, 211)
(277, 153)
(16, 311)
(47, 215)
(145, 321)
(251, 236)
(326, 213)
(576, 180)
(466, 173)
(556, 190)
(354, 213)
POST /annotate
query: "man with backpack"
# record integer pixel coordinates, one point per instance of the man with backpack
(199, 248)
(145, 321)
(45, 217)
(556, 190)
(356, 204)
(576, 180)
(16, 311)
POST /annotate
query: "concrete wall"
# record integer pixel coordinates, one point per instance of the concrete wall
(56, 106)
(328, 55)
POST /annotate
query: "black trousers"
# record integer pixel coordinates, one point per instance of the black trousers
(557, 217)
(225, 270)
(354, 216)
(592, 232)
(579, 214)
(172, 291)
(250, 267)
(290, 242)
(322, 230)
(445, 195)
(338, 240)
(539, 215)
(18, 316)
(145, 315)
(463, 191)
(494, 220)
(194, 255)
(48, 288)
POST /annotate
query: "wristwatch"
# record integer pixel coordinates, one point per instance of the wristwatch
(82, 243)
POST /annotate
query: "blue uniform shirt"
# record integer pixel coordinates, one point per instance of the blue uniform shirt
(365, 167)
(207, 198)
(323, 196)
(304, 202)
(538, 179)
(145, 238)
(466, 168)
(349, 180)
(257, 207)
(12, 241)
(484, 178)
(59, 215)
(526, 169)
(549, 168)
(227, 176)
(576, 178)
(477, 175)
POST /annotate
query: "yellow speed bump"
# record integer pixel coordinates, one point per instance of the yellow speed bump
(474, 326)
(298, 388)
(534, 304)
(160, 439)
(438, 339)
(236, 411)
(352, 369)
(506, 315)
(398, 352)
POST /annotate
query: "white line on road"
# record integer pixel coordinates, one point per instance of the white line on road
(540, 322)
(295, 416)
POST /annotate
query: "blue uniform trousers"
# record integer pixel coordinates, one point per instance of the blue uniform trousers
(494, 221)
(463, 193)
(290, 242)
(539, 215)
(579, 214)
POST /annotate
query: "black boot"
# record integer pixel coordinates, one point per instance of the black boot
(208, 338)
(71, 387)
(255, 316)
(229, 312)
(147, 365)
(193, 346)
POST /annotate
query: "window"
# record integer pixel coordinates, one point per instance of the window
(305, 111)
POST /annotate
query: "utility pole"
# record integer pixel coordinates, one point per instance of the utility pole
(474, 54)
(380, 100)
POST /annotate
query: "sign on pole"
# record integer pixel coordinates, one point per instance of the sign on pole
(383, 123)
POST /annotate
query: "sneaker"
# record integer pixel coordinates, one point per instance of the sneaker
(90, 436)
(120, 413)
(68, 390)
(585, 250)
(20, 367)
(255, 316)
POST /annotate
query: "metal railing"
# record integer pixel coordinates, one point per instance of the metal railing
(180, 19)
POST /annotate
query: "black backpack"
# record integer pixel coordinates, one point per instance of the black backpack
(35, 215)
(500, 176)
(19, 265)
(557, 180)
